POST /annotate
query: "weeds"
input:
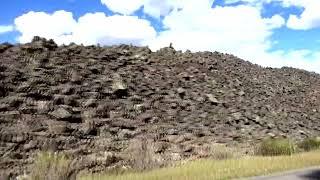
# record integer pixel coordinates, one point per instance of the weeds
(51, 166)
(218, 152)
(205, 169)
(276, 147)
(310, 144)
(141, 155)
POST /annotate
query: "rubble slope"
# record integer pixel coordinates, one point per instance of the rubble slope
(90, 101)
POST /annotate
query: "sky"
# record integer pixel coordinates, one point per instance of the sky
(271, 33)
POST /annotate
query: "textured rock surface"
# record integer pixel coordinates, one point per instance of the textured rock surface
(90, 101)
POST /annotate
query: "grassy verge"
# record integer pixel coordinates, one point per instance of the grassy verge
(222, 169)
(276, 147)
(52, 166)
(310, 144)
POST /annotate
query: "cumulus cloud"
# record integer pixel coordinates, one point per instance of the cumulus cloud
(227, 29)
(310, 17)
(53, 26)
(188, 24)
(123, 6)
(275, 21)
(154, 8)
(239, 30)
(91, 28)
(301, 59)
(98, 28)
(157, 8)
(5, 29)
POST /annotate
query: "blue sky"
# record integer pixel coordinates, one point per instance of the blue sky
(272, 33)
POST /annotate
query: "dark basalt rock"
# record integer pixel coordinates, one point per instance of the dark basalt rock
(86, 100)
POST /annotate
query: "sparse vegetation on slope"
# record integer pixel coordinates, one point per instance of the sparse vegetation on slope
(220, 162)
(223, 169)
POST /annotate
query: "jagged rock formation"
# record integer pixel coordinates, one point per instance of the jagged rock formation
(93, 102)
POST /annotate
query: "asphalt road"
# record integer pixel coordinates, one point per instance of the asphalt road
(302, 174)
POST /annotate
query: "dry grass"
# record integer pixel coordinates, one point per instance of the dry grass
(222, 169)
(310, 144)
(219, 152)
(275, 147)
(51, 166)
(216, 162)
(142, 156)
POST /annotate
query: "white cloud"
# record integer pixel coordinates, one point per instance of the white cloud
(123, 6)
(301, 59)
(98, 28)
(239, 30)
(53, 26)
(189, 24)
(310, 17)
(275, 21)
(229, 29)
(154, 8)
(157, 8)
(92, 28)
(5, 29)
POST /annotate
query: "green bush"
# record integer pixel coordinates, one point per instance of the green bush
(310, 144)
(276, 147)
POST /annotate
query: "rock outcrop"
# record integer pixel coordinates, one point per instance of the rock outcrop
(89, 101)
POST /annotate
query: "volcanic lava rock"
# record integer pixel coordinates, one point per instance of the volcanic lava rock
(88, 100)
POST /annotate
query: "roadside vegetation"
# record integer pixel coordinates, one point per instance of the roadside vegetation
(270, 156)
(310, 144)
(51, 166)
(276, 147)
(223, 169)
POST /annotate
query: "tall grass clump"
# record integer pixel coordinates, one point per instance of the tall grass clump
(51, 166)
(275, 147)
(141, 155)
(309, 144)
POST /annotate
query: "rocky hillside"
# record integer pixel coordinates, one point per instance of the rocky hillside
(96, 103)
